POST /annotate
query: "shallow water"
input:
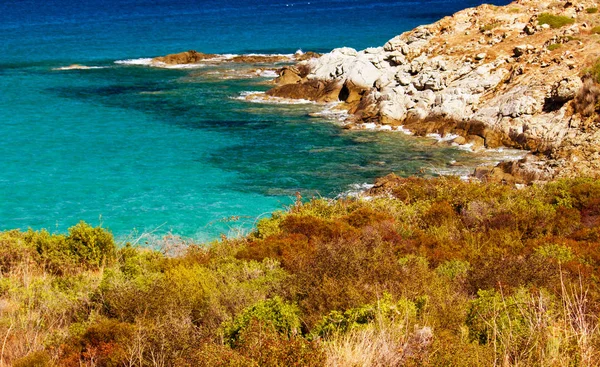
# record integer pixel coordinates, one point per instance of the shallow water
(151, 149)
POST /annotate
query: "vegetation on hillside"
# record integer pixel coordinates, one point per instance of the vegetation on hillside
(439, 273)
(554, 21)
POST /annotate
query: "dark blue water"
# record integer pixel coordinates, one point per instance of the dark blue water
(173, 150)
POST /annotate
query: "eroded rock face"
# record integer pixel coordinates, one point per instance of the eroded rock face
(313, 90)
(487, 65)
(566, 89)
(188, 57)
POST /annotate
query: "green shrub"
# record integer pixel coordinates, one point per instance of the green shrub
(594, 71)
(35, 359)
(489, 27)
(268, 226)
(85, 248)
(260, 345)
(384, 310)
(281, 316)
(554, 21)
(559, 253)
(591, 10)
(596, 30)
(94, 246)
(554, 46)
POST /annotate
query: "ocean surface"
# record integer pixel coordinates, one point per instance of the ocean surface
(140, 149)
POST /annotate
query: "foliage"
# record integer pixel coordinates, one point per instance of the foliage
(275, 313)
(489, 27)
(554, 46)
(554, 21)
(35, 359)
(384, 310)
(596, 30)
(591, 10)
(441, 272)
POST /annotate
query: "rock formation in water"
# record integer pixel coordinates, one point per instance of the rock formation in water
(195, 57)
(187, 57)
(523, 75)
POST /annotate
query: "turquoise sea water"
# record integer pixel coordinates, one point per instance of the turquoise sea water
(151, 149)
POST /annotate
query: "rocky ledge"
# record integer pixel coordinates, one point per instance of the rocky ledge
(194, 57)
(523, 75)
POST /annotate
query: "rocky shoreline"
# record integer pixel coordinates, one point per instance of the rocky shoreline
(523, 75)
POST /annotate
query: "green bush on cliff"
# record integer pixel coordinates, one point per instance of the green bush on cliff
(554, 21)
(554, 46)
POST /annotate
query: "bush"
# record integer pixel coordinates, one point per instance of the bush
(275, 313)
(93, 246)
(489, 27)
(596, 30)
(591, 10)
(385, 310)
(587, 100)
(103, 342)
(35, 359)
(85, 248)
(594, 71)
(554, 21)
(554, 46)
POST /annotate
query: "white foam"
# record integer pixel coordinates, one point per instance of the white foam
(404, 130)
(368, 126)
(467, 147)
(79, 67)
(143, 62)
(157, 64)
(269, 74)
(262, 97)
(357, 191)
(439, 138)
(331, 111)
(225, 57)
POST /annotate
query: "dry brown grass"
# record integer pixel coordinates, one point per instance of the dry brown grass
(587, 101)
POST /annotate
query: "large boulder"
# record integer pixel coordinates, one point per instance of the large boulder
(363, 74)
(333, 65)
(566, 89)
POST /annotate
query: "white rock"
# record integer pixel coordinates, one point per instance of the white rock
(363, 74)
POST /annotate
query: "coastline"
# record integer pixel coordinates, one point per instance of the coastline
(498, 268)
(493, 76)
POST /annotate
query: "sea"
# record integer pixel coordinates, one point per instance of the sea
(149, 151)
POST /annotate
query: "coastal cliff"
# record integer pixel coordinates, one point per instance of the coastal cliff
(523, 75)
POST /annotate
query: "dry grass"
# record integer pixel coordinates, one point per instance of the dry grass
(587, 101)
(378, 346)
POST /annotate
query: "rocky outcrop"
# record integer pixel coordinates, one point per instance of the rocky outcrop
(194, 57)
(492, 75)
(188, 57)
